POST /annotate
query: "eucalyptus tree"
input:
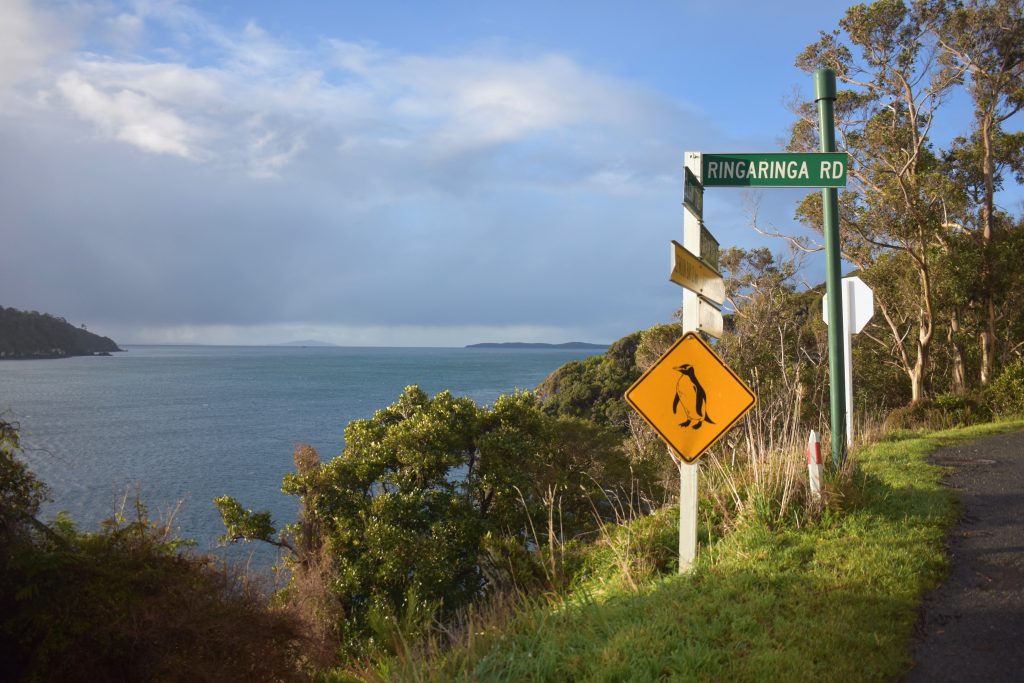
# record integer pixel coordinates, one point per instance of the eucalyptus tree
(894, 85)
(984, 39)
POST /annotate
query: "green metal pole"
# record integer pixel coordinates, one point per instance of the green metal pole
(825, 95)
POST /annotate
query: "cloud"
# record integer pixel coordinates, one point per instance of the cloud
(253, 103)
(271, 150)
(174, 84)
(29, 37)
(124, 30)
(482, 101)
(131, 117)
(456, 105)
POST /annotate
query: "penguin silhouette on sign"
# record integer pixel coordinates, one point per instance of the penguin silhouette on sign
(690, 396)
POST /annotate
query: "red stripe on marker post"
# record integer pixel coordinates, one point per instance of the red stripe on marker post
(813, 449)
(814, 464)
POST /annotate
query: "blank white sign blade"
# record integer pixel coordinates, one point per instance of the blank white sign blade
(863, 300)
(710, 319)
(858, 295)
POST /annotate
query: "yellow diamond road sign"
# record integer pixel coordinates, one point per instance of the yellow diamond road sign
(690, 397)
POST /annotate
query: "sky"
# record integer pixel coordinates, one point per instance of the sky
(379, 173)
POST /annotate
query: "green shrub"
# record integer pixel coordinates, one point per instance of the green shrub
(126, 604)
(945, 411)
(1006, 393)
(443, 500)
(593, 388)
(21, 493)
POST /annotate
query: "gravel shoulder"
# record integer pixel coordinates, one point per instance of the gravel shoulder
(972, 626)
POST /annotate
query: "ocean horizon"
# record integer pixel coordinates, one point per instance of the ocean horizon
(182, 424)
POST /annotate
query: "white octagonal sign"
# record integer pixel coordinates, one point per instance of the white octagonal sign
(858, 304)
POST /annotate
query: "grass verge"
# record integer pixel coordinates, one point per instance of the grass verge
(836, 599)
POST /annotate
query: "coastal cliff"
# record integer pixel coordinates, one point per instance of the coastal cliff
(30, 334)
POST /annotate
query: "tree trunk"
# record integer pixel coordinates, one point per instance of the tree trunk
(988, 333)
(959, 376)
(988, 341)
(926, 326)
(917, 379)
(920, 374)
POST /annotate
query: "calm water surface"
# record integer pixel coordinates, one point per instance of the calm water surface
(193, 423)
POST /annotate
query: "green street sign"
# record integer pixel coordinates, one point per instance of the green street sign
(693, 193)
(708, 247)
(822, 169)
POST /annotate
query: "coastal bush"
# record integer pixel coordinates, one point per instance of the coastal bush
(593, 388)
(436, 501)
(916, 415)
(124, 603)
(942, 412)
(741, 614)
(21, 493)
(1006, 393)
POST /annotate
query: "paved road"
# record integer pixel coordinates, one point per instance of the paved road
(972, 626)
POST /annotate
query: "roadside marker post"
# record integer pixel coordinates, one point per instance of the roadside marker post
(814, 464)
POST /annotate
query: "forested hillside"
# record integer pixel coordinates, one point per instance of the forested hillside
(30, 334)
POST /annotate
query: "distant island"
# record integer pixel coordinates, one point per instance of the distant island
(31, 334)
(535, 345)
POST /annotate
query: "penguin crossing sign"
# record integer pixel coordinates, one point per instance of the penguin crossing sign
(690, 397)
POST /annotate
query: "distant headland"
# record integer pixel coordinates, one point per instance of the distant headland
(31, 334)
(536, 345)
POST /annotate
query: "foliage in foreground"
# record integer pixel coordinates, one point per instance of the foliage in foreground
(434, 502)
(124, 603)
(833, 600)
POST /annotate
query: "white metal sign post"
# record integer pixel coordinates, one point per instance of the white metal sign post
(692, 223)
(858, 307)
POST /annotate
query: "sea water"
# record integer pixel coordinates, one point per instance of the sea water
(181, 425)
